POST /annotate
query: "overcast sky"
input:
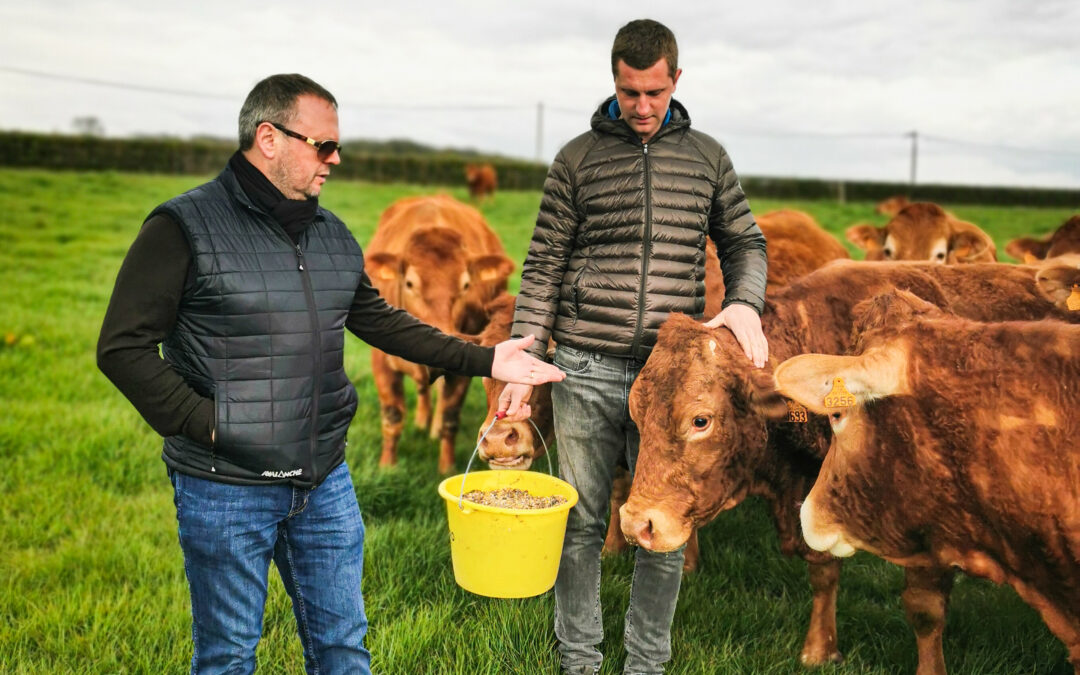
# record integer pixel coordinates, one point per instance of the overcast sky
(792, 88)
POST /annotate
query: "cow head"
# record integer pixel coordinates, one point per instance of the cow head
(1060, 280)
(701, 410)
(812, 380)
(435, 280)
(512, 445)
(1063, 241)
(924, 232)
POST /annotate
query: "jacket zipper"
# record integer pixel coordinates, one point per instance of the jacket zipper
(647, 253)
(316, 355)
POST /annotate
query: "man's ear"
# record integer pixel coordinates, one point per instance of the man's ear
(266, 140)
(867, 237)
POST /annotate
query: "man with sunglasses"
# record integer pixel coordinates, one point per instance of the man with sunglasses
(246, 283)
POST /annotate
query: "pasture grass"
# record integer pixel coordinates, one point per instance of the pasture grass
(91, 579)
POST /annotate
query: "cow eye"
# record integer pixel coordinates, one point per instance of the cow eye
(701, 422)
(408, 284)
(888, 252)
(940, 256)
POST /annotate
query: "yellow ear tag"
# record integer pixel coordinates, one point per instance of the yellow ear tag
(839, 397)
(489, 275)
(386, 274)
(1073, 301)
(1030, 259)
(796, 411)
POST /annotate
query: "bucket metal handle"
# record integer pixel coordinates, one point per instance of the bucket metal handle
(498, 416)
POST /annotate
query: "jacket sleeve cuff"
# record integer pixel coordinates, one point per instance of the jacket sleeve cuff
(751, 305)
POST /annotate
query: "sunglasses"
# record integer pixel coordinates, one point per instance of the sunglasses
(324, 149)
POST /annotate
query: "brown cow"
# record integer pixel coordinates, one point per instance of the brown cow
(925, 232)
(892, 206)
(984, 413)
(709, 431)
(1064, 240)
(797, 246)
(481, 180)
(438, 259)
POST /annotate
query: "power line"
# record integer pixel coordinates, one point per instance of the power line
(994, 146)
(115, 85)
(471, 107)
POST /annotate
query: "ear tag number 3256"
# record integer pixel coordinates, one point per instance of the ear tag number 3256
(839, 397)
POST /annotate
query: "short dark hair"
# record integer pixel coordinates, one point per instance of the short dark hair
(642, 43)
(274, 100)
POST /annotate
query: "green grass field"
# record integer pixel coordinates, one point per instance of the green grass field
(91, 575)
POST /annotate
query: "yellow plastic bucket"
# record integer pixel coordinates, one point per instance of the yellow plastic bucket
(506, 553)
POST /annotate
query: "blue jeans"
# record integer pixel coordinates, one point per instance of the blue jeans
(594, 431)
(229, 533)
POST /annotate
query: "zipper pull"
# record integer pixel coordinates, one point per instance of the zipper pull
(645, 148)
(300, 257)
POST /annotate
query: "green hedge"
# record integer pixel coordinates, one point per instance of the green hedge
(175, 156)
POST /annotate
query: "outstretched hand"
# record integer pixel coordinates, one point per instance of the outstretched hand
(745, 324)
(513, 364)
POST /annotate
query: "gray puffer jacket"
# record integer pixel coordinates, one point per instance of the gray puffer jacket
(620, 239)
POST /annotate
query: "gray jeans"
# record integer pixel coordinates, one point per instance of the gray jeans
(594, 431)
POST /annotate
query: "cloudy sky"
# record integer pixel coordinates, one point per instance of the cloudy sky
(792, 88)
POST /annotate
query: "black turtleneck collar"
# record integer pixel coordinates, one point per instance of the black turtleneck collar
(294, 215)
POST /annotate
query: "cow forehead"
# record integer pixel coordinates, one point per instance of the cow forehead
(915, 239)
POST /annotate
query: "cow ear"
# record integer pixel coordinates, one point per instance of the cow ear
(1023, 247)
(811, 378)
(968, 243)
(491, 269)
(867, 237)
(763, 397)
(1056, 282)
(382, 267)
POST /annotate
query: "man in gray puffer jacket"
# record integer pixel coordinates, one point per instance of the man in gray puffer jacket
(619, 244)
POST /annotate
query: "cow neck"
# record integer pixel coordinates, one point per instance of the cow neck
(294, 215)
(780, 334)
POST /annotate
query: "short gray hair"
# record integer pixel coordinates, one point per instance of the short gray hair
(274, 100)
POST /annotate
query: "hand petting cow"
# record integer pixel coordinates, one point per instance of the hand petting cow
(959, 451)
(713, 430)
(436, 258)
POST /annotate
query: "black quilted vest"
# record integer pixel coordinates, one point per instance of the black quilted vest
(260, 330)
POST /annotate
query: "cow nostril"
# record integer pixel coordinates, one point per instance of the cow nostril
(512, 437)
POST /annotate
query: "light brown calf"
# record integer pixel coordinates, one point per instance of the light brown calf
(438, 259)
(481, 180)
(1062, 241)
(710, 427)
(961, 451)
(924, 232)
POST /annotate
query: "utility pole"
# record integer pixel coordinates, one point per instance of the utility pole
(540, 131)
(914, 154)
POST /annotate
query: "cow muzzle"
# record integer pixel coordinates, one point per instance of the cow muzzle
(653, 528)
(509, 445)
